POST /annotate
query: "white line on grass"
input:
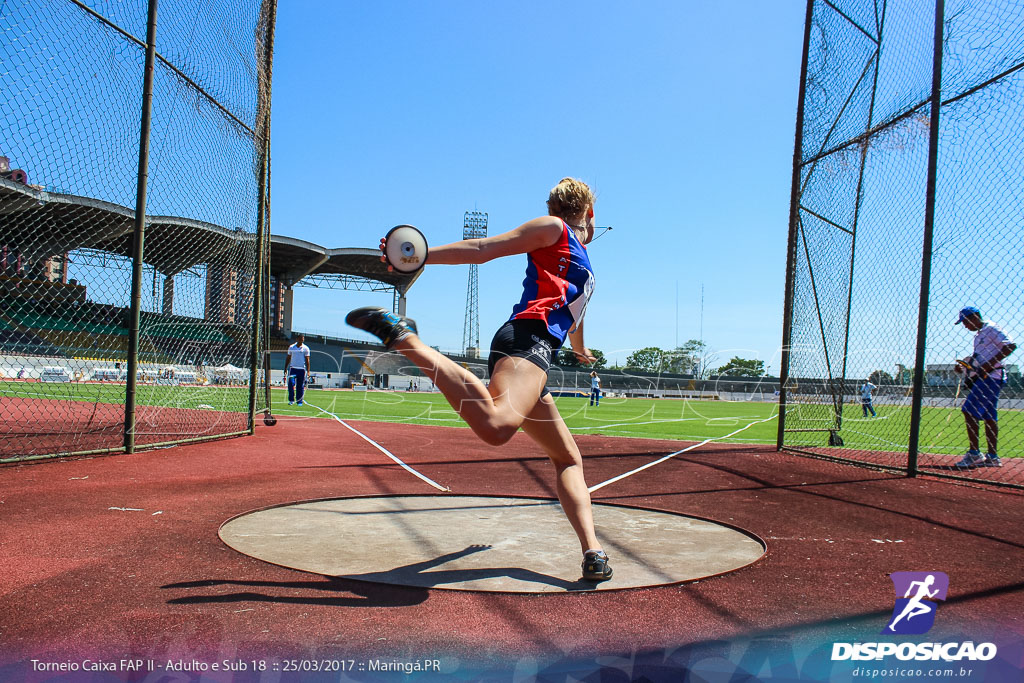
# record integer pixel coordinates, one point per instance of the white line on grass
(866, 419)
(672, 455)
(381, 449)
(664, 421)
(625, 434)
(368, 416)
(633, 424)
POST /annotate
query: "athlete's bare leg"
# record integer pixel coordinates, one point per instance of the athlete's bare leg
(494, 412)
(545, 426)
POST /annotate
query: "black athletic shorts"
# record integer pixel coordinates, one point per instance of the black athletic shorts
(527, 339)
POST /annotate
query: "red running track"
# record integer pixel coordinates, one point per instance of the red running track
(119, 555)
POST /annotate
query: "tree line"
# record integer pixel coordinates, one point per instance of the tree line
(688, 359)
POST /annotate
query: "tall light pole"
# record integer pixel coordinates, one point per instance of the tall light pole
(474, 226)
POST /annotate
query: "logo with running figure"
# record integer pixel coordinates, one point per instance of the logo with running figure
(916, 596)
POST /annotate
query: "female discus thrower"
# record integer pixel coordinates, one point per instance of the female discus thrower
(558, 284)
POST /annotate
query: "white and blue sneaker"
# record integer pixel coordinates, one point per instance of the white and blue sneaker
(300, 403)
(291, 403)
(383, 324)
(972, 459)
(992, 460)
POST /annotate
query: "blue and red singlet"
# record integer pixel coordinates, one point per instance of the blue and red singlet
(559, 282)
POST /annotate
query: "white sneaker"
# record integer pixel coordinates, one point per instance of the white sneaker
(972, 459)
(291, 403)
(992, 460)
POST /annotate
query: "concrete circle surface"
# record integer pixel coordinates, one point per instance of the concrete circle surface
(519, 545)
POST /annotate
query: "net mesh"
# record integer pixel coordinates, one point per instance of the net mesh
(856, 269)
(73, 77)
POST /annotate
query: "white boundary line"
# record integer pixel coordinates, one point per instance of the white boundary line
(672, 455)
(663, 421)
(381, 449)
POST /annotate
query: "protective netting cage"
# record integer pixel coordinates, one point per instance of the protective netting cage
(134, 162)
(907, 207)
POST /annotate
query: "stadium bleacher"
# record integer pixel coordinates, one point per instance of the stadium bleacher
(35, 326)
(27, 344)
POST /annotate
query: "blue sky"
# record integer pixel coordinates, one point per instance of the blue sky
(679, 114)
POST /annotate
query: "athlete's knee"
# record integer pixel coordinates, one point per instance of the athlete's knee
(495, 426)
(564, 459)
(496, 433)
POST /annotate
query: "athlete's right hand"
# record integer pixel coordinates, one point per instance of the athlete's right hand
(383, 258)
(584, 356)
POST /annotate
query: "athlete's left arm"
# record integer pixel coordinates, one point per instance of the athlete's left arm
(530, 236)
(578, 346)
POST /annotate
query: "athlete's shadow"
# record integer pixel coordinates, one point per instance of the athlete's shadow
(399, 587)
(334, 592)
(416, 575)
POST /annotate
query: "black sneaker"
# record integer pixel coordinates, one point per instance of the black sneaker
(595, 566)
(382, 323)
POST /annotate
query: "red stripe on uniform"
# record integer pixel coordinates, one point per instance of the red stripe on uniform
(551, 289)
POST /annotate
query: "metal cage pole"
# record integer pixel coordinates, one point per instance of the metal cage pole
(263, 227)
(268, 218)
(794, 223)
(135, 315)
(266, 297)
(926, 249)
(266, 302)
(257, 276)
(264, 332)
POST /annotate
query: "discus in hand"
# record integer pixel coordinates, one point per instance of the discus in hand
(971, 369)
(405, 249)
(969, 372)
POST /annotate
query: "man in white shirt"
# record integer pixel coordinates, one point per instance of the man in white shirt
(865, 399)
(985, 368)
(595, 389)
(297, 369)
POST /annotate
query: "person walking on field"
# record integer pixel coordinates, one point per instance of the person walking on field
(985, 372)
(595, 388)
(559, 282)
(297, 369)
(865, 398)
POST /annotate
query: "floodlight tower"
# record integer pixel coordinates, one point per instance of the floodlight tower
(474, 226)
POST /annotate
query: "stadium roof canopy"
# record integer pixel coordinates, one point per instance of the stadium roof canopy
(40, 224)
(293, 259)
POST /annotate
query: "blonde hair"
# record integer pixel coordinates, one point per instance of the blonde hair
(570, 198)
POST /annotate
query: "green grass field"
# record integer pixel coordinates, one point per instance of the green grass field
(942, 428)
(647, 418)
(684, 420)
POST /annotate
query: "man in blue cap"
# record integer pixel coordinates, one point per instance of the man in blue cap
(985, 368)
